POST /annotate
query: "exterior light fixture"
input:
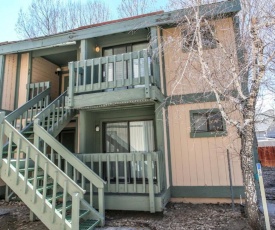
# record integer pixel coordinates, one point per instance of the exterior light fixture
(97, 48)
(97, 128)
(58, 71)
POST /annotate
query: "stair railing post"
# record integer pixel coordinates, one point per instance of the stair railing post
(71, 84)
(75, 210)
(101, 204)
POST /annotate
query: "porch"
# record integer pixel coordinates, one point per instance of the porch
(136, 179)
(126, 78)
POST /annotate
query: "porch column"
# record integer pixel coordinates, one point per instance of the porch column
(155, 55)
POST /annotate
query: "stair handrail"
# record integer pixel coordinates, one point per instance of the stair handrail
(55, 106)
(40, 160)
(46, 136)
(22, 113)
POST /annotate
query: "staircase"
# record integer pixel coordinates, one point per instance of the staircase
(47, 177)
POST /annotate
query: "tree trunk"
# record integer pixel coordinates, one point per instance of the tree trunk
(247, 162)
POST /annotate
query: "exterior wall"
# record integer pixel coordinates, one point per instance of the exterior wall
(23, 79)
(187, 83)
(43, 70)
(9, 85)
(201, 161)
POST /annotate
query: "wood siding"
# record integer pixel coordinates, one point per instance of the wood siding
(9, 86)
(182, 70)
(23, 79)
(201, 161)
(43, 70)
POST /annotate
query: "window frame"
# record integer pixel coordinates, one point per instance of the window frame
(189, 32)
(194, 133)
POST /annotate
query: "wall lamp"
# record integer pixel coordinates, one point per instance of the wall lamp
(58, 71)
(97, 48)
(97, 128)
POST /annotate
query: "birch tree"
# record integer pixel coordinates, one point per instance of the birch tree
(234, 73)
(46, 17)
(129, 8)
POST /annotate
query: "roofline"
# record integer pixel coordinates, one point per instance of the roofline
(118, 26)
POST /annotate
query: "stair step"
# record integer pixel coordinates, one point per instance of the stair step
(88, 224)
(48, 186)
(60, 206)
(58, 195)
(38, 178)
(82, 213)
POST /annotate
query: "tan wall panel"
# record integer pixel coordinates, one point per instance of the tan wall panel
(43, 70)
(183, 70)
(24, 68)
(9, 85)
(201, 161)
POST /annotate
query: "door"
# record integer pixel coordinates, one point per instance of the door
(126, 137)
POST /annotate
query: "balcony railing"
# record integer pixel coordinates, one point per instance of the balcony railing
(128, 172)
(128, 70)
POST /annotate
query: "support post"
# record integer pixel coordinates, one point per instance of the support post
(151, 184)
(75, 210)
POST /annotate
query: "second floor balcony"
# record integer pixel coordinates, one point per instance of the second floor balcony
(112, 80)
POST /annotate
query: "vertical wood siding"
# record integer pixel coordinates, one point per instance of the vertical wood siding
(201, 161)
(182, 70)
(9, 85)
(43, 70)
(23, 79)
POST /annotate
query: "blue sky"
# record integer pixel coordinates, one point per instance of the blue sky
(9, 11)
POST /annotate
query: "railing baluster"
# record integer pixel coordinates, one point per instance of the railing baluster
(100, 167)
(35, 178)
(77, 77)
(64, 203)
(125, 172)
(9, 152)
(83, 182)
(117, 175)
(143, 173)
(158, 172)
(45, 179)
(54, 195)
(26, 169)
(91, 194)
(114, 73)
(59, 161)
(123, 74)
(107, 73)
(108, 171)
(139, 75)
(100, 73)
(134, 172)
(17, 160)
(92, 74)
(131, 75)
(85, 74)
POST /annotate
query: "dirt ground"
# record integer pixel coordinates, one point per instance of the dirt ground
(15, 215)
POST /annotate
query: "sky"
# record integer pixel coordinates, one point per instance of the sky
(9, 12)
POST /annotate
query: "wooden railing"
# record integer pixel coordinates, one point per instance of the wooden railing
(117, 71)
(55, 116)
(21, 168)
(140, 172)
(23, 116)
(45, 126)
(33, 89)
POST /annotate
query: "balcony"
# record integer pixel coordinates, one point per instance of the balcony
(119, 79)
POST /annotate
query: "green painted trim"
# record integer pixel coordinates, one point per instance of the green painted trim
(2, 73)
(168, 147)
(18, 67)
(206, 191)
(119, 26)
(54, 50)
(190, 98)
(155, 56)
(163, 64)
(194, 134)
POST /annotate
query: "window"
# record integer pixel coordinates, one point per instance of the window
(189, 40)
(207, 123)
